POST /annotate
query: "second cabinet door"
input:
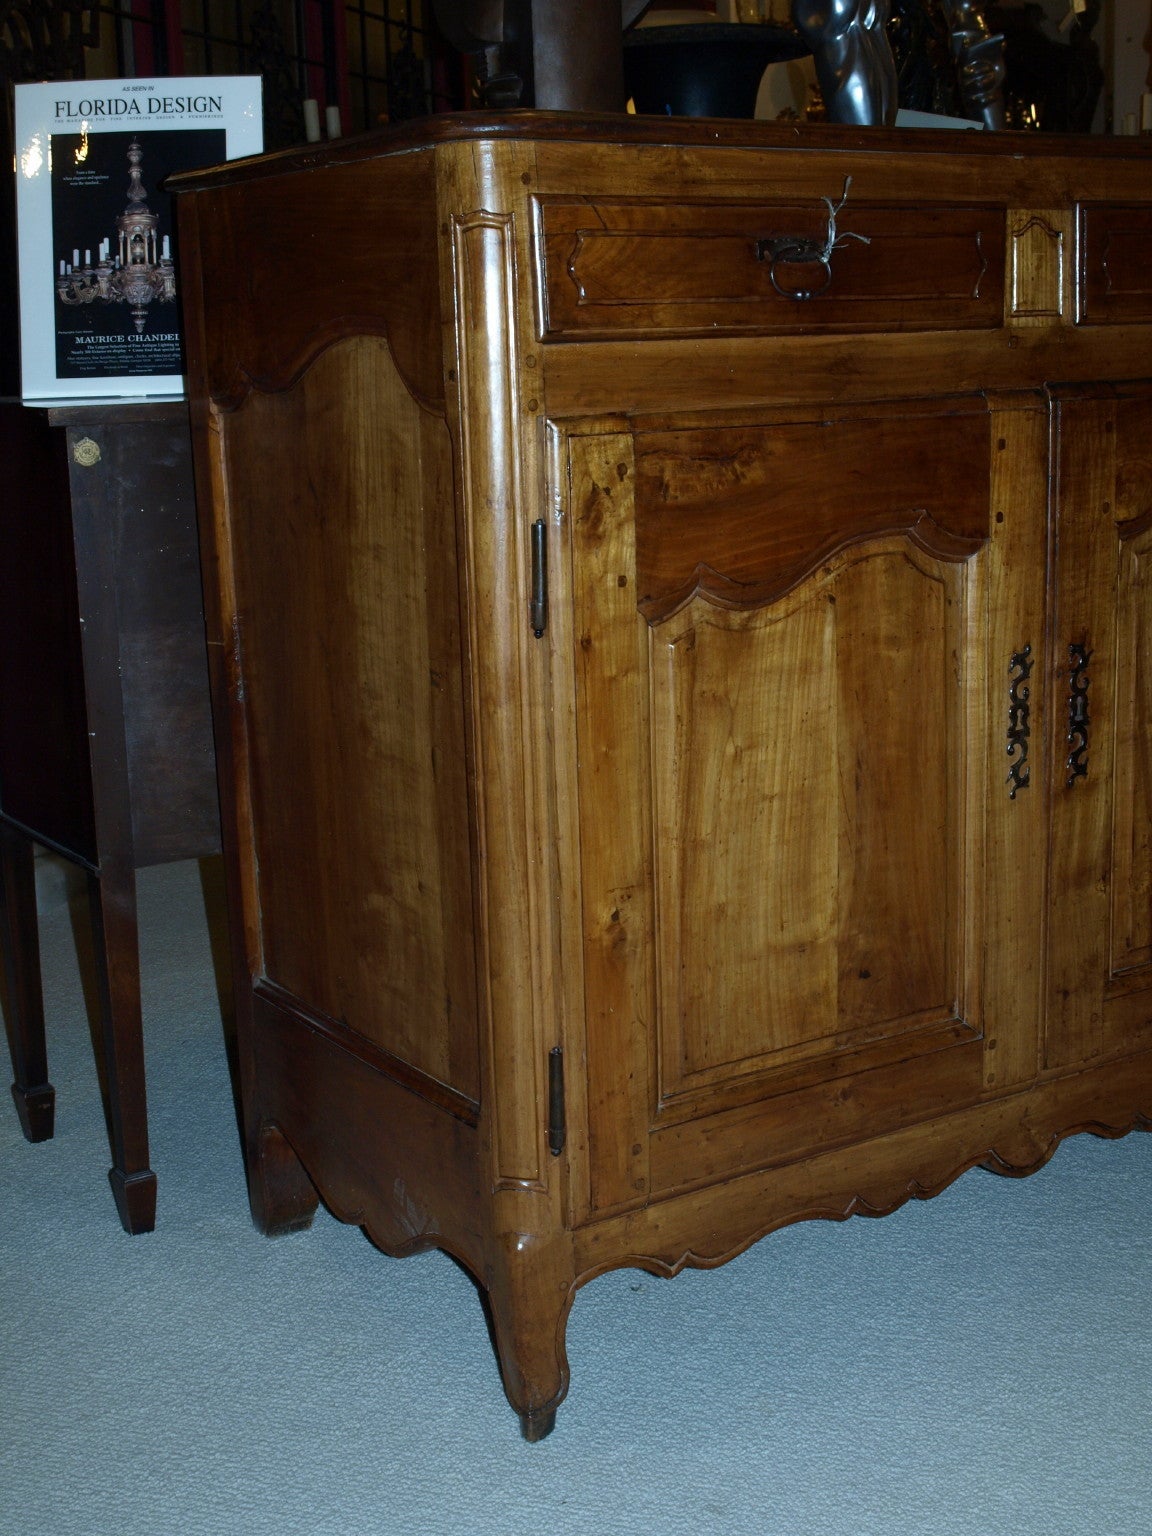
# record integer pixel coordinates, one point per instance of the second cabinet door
(788, 726)
(1100, 946)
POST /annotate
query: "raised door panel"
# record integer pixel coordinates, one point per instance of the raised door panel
(781, 710)
(1100, 952)
(788, 742)
(352, 697)
(1132, 818)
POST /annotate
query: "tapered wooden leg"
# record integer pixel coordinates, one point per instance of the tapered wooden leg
(112, 898)
(34, 1095)
(530, 1295)
(282, 1196)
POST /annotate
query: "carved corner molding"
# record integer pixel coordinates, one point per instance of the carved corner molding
(494, 500)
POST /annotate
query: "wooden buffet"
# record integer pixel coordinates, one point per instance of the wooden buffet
(679, 611)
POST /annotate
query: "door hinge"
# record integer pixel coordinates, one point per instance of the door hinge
(557, 1124)
(538, 604)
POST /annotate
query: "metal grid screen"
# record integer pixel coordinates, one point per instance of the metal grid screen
(378, 61)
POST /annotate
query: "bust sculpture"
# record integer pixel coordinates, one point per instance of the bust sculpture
(854, 63)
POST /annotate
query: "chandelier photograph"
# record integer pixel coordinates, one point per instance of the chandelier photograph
(138, 272)
(99, 252)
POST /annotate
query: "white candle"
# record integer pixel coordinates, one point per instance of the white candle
(332, 121)
(63, 265)
(87, 258)
(165, 252)
(1129, 122)
(75, 258)
(311, 120)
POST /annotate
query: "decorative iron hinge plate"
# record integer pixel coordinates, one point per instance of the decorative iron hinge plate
(1019, 720)
(1078, 719)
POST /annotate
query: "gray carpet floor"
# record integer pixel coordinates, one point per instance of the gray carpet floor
(975, 1365)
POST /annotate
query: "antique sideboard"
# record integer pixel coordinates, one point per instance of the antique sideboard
(679, 609)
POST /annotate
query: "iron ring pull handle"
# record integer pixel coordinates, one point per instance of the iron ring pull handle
(796, 251)
(805, 251)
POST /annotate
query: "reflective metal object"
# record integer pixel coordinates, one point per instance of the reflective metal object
(979, 58)
(854, 63)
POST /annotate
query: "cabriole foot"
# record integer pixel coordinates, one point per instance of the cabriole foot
(537, 1426)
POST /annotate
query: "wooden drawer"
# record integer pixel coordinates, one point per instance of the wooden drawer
(1115, 279)
(615, 269)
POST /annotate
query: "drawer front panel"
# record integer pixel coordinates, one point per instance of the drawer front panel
(616, 269)
(1115, 273)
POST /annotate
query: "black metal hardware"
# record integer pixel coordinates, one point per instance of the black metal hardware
(1078, 683)
(538, 606)
(806, 260)
(1019, 720)
(557, 1123)
(794, 251)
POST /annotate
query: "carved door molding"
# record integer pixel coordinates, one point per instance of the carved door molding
(780, 679)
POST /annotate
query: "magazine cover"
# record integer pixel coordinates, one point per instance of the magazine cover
(99, 257)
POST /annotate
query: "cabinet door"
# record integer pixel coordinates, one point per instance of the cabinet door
(784, 720)
(1100, 949)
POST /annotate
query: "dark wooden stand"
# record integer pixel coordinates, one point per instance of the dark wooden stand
(106, 753)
